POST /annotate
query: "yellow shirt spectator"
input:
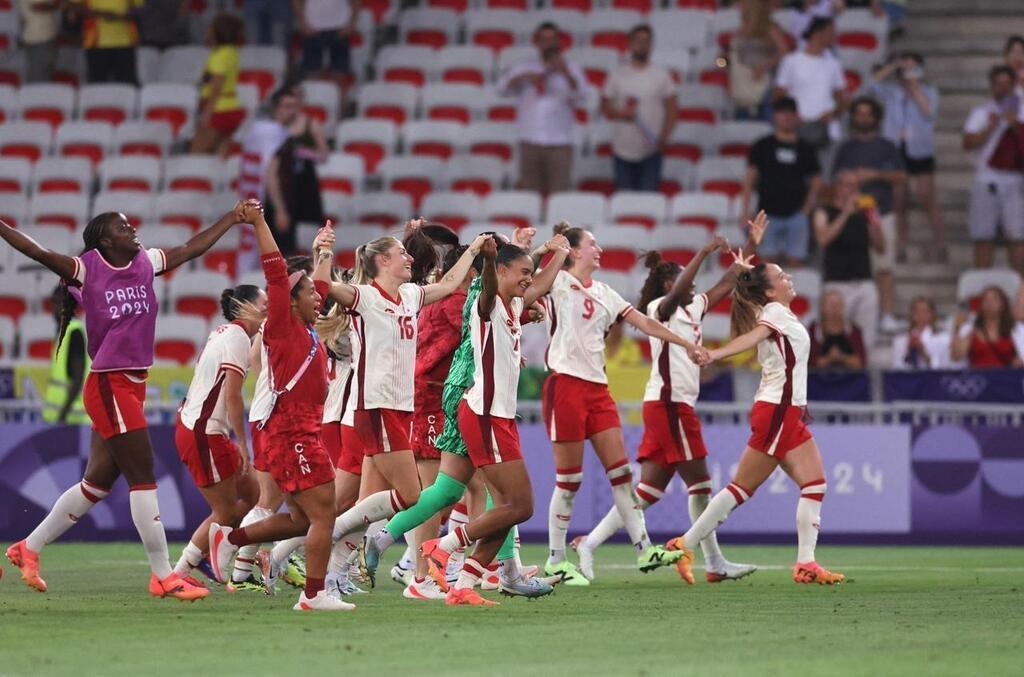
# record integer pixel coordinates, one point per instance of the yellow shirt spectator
(105, 31)
(224, 61)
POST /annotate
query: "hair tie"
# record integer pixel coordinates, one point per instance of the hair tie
(294, 278)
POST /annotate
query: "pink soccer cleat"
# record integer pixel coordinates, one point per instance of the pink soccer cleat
(28, 562)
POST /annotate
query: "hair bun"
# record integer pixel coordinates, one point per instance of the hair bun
(561, 228)
(227, 303)
(652, 259)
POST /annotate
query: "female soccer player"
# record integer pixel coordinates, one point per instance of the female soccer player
(115, 277)
(672, 441)
(761, 317)
(577, 405)
(213, 408)
(292, 442)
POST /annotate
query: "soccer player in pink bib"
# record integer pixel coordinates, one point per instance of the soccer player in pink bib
(761, 317)
(114, 277)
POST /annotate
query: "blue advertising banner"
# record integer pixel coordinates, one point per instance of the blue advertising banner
(981, 385)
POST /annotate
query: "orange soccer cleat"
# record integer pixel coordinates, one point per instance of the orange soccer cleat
(28, 562)
(437, 562)
(468, 596)
(684, 565)
(812, 572)
(176, 586)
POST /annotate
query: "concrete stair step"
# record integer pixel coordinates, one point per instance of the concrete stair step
(944, 44)
(955, 8)
(994, 25)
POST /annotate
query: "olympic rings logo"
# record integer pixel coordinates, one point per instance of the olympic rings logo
(964, 386)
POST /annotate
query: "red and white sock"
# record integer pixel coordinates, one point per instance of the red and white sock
(724, 502)
(567, 483)
(190, 558)
(808, 519)
(647, 496)
(627, 505)
(375, 507)
(65, 513)
(146, 516)
(472, 572)
(246, 557)
(455, 539)
(700, 497)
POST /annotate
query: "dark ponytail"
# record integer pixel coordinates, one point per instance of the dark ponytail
(232, 300)
(91, 236)
(748, 298)
(662, 271)
(422, 245)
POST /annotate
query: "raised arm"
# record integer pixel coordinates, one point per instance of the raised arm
(559, 247)
(323, 252)
(684, 281)
(741, 260)
(454, 277)
(660, 331)
(61, 264)
(489, 279)
(203, 240)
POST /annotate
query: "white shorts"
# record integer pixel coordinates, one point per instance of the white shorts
(993, 204)
(884, 263)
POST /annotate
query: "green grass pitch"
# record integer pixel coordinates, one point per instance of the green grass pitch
(903, 611)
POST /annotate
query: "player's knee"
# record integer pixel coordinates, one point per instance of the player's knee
(521, 509)
(648, 493)
(814, 490)
(568, 481)
(619, 473)
(411, 496)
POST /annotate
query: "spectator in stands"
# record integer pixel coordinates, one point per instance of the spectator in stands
(40, 24)
(848, 236)
(109, 39)
(1018, 316)
(548, 87)
(164, 23)
(813, 77)
(268, 22)
(879, 168)
(220, 111)
(69, 363)
(327, 30)
(997, 196)
(988, 341)
(924, 346)
(755, 50)
(1014, 55)
(835, 342)
(640, 97)
(809, 10)
(784, 171)
(911, 107)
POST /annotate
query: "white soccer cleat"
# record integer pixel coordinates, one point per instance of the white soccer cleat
(426, 589)
(586, 556)
(221, 552)
(729, 571)
(401, 575)
(322, 602)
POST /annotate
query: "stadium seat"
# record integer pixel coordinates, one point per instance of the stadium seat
(197, 292)
(138, 208)
(465, 64)
(36, 334)
(736, 137)
(724, 23)
(594, 174)
(709, 210)
(62, 175)
(8, 101)
(434, 27)
(381, 11)
(14, 301)
(716, 328)
(681, 28)
(373, 140)
(147, 63)
(89, 140)
(7, 335)
(386, 208)
(29, 140)
(341, 173)
(14, 212)
(498, 108)
(621, 246)
(455, 103)
(676, 60)
(412, 175)
(599, 138)
(262, 66)
(15, 175)
(701, 103)
(387, 101)
(408, 65)
(350, 236)
(597, 64)
(432, 138)
(678, 243)
(222, 257)
(581, 208)
(721, 175)
(108, 103)
(687, 141)
(476, 173)
(677, 175)
(166, 236)
(51, 103)
(514, 5)
(808, 287)
(181, 207)
(608, 28)
(625, 283)
(973, 281)
(571, 22)
(170, 103)
(454, 209)
(320, 99)
(56, 239)
(645, 209)
(182, 64)
(507, 58)
(203, 173)
(12, 68)
(518, 208)
(143, 138)
(179, 338)
(496, 29)
(70, 210)
(492, 139)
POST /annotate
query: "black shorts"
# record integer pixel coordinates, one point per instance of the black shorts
(917, 166)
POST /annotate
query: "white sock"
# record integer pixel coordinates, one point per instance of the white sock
(700, 497)
(408, 560)
(246, 557)
(282, 550)
(472, 572)
(454, 539)
(511, 569)
(190, 558)
(646, 496)
(375, 507)
(146, 515)
(65, 513)
(808, 519)
(621, 478)
(567, 483)
(516, 546)
(724, 502)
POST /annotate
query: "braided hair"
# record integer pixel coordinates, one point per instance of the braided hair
(91, 236)
(662, 271)
(749, 296)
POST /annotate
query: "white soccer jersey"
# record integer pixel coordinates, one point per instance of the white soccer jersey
(384, 347)
(783, 357)
(497, 350)
(577, 318)
(674, 376)
(227, 349)
(261, 403)
(339, 374)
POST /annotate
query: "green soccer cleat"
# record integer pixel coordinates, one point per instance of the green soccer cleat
(295, 573)
(656, 556)
(567, 571)
(250, 584)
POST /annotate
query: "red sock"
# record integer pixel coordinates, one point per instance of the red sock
(313, 586)
(239, 537)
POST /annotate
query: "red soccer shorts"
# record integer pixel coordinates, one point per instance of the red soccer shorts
(114, 401)
(489, 439)
(575, 410)
(383, 430)
(343, 446)
(228, 121)
(776, 430)
(298, 458)
(671, 434)
(259, 456)
(426, 428)
(209, 458)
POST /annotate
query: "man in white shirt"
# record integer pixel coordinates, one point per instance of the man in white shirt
(998, 192)
(814, 78)
(40, 22)
(327, 30)
(641, 100)
(548, 88)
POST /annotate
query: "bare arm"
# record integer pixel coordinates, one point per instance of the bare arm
(741, 344)
(320, 139)
(960, 346)
(671, 115)
(918, 94)
(216, 87)
(201, 242)
(975, 140)
(812, 195)
(1018, 304)
(750, 179)
(684, 281)
(236, 412)
(455, 276)
(76, 372)
(542, 282)
(657, 330)
(61, 264)
(282, 220)
(489, 280)
(610, 112)
(826, 231)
